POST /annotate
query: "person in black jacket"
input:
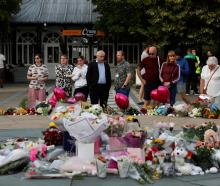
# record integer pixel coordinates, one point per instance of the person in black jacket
(99, 80)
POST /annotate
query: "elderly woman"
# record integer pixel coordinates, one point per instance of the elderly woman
(62, 71)
(210, 79)
(37, 75)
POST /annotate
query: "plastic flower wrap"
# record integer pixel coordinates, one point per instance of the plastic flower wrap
(135, 139)
(141, 172)
(182, 109)
(101, 166)
(123, 166)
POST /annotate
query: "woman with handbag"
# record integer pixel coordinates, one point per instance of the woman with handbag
(210, 79)
(170, 74)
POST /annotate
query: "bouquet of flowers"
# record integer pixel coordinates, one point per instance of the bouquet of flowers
(101, 165)
(43, 108)
(52, 135)
(116, 126)
(135, 139)
(123, 166)
(203, 155)
(143, 170)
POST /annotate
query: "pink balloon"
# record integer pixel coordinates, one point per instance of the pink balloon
(80, 97)
(154, 94)
(59, 93)
(53, 101)
(71, 100)
(122, 101)
(163, 94)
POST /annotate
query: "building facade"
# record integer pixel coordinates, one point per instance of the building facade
(52, 27)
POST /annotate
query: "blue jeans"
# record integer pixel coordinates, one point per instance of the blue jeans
(173, 92)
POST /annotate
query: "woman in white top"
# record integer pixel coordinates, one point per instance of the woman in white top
(210, 79)
(79, 77)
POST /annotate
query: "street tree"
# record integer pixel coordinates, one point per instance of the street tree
(166, 22)
(7, 9)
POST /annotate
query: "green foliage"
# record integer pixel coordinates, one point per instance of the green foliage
(7, 9)
(166, 22)
(24, 103)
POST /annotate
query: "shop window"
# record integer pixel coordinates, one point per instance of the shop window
(26, 48)
(52, 37)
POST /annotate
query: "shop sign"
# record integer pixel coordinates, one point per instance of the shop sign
(85, 32)
(88, 33)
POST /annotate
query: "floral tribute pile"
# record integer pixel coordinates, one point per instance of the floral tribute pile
(110, 142)
(199, 108)
(42, 108)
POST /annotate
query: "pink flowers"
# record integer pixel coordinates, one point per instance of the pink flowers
(35, 154)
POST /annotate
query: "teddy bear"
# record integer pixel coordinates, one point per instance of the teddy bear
(183, 168)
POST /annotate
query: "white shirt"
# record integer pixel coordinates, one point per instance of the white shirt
(79, 76)
(2, 58)
(213, 88)
(144, 55)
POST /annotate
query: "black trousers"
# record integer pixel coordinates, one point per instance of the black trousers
(84, 90)
(191, 83)
(99, 94)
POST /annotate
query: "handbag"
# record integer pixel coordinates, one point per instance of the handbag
(205, 88)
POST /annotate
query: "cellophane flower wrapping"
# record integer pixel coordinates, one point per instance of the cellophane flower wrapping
(101, 166)
(124, 163)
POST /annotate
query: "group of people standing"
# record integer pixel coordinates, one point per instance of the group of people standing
(178, 74)
(93, 79)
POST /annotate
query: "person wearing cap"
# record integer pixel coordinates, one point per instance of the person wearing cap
(210, 79)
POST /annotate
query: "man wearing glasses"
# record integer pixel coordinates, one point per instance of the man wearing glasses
(99, 80)
(150, 79)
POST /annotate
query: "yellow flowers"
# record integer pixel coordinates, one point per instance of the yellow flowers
(21, 111)
(159, 141)
(130, 118)
(2, 111)
(52, 125)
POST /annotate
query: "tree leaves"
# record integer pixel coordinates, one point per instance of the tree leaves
(166, 22)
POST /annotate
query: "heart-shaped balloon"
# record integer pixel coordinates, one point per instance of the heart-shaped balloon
(80, 96)
(122, 101)
(154, 94)
(53, 101)
(163, 94)
(59, 93)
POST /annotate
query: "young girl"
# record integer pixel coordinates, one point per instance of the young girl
(169, 75)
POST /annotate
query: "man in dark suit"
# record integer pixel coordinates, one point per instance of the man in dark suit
(99, 79)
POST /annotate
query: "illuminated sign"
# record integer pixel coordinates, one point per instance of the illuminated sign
(85, 32)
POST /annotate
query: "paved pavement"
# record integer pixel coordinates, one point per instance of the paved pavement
(31, 126)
